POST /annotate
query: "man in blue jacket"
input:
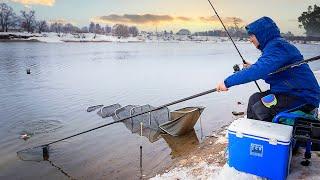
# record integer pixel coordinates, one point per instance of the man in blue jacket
(291, 88)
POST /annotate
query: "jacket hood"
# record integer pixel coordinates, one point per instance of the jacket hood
(265, 29)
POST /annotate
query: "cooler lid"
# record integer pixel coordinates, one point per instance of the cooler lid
(263, 129)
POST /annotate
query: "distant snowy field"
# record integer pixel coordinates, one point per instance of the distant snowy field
(58, 38)
(52, 37)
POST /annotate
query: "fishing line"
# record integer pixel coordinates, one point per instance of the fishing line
(201, 130)
(234, 44)
(44, 149)
(141, 129)
(40, 153)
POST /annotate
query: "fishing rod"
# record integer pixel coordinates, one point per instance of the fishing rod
(45, 149)
(234, 44)
(296, 64)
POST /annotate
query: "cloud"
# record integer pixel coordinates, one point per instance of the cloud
(139, 19)
(226, 20)
(160, 19)
(184, 18)
(152, 21)
(36, 2)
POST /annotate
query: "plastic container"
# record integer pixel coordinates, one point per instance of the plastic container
(315, 129)
(260, 148)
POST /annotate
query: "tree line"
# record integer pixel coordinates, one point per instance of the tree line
(27, 21)
(310, 21)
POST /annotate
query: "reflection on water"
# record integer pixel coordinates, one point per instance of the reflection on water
(61, 170)
(122, 55)
(67, 78)
(179, 146)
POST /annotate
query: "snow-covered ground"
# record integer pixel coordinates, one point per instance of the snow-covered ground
(205, 171)
(91, 37)
(56, 38)
(52, 37)
(213, 171)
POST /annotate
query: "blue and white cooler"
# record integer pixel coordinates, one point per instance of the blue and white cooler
(260, 148)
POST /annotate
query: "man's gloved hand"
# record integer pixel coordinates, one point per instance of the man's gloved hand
(221, 87)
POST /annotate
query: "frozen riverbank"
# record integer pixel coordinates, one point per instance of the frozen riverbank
(56, 38)
(52, 37)
(209, 162)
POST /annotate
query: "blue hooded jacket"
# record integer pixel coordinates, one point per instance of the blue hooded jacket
(276, 53)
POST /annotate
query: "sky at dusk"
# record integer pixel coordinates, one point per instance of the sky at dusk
(152, 15)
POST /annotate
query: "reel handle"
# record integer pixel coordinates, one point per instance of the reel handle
(236, 68)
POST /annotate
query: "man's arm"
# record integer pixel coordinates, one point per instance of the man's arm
(272, 59)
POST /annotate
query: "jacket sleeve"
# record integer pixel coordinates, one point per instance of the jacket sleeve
(272, 59)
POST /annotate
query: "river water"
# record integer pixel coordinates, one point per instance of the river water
(66, 78)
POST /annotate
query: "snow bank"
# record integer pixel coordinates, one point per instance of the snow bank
(205, 171)
(301, 172)
(46, 39)
(62, 37)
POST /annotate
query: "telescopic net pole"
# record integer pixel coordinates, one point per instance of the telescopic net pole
(296, 64)
(123, 119)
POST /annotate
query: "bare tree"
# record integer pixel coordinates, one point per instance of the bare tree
(236, 30)
(7, 17)
(53, 27)
(107, 29)
(133, 31)
(98, 29)
(121, 30)
(84, 29)
(56, 27)
(310, 21)
(236, 22)
(28, 20)
(92, 28)
(68, 28)
(42, 26)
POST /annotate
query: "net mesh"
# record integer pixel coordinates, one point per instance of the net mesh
(150, 120)
(40, 153)
(93, 108)
(150, 128)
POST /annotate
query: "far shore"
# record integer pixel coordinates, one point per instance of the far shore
(91, 37)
